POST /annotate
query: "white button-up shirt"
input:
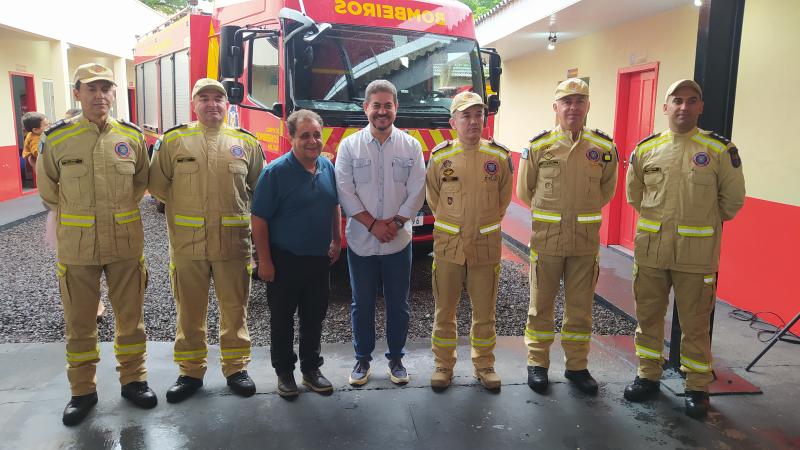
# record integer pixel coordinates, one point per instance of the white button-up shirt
(386, 180)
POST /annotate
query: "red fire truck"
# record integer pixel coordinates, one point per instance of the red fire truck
(277, 56)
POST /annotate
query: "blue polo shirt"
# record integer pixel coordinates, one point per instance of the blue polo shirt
(297, 205)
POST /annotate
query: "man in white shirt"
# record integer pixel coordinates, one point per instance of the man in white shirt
(380, 175)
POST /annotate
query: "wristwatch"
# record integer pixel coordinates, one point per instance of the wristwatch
(399, 222)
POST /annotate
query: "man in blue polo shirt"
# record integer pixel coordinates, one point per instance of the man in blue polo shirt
(297, 233)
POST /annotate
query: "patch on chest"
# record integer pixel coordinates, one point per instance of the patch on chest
(548, 156)
(447, 163)
(237, 151)
(447, 172)
(701, 159)
(122, 150)
(593, 155)
(490, 167)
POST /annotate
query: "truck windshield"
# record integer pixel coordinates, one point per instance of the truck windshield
(427, 69)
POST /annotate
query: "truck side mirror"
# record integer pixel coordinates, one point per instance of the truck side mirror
(235, 91)
(231, 53)
(277, 109)
(493, 103)
(494, 72)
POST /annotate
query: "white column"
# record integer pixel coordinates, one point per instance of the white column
(62, 79)
(121, 77)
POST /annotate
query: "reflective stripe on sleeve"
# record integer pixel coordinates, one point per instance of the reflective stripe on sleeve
(84, 356)
(695, 366)
(189, 221)
(446, 227)
(709, 279)
(534, 256)
(127, 216)
(710, 143)
(685, 230)
(539, 336)
(647, 353)
(494, 152)
(443, 342)
(61, 269)
(72, 220)
(236, 221)
(543, 216)
(190, 355)
(650, 226)
(590, 218)
(596, 140)
(477, 342)
(486, 229)
(438, 156)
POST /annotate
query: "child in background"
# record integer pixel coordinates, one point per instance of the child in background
(34, 124)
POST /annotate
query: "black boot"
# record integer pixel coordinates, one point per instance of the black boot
(78, 408)
(140, 394)
(287, 387)
(582, 380)
(697, 404)
(537, 378)
(183, 388)
(241, 383)
(642, 389)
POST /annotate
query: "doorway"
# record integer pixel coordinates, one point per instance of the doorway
(23, 100)
(636, 102)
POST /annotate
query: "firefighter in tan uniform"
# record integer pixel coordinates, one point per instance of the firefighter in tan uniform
(205, 173)
(566, 176)
(683, 182)
(469, 183)
(92, 173)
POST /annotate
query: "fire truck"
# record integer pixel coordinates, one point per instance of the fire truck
(277, 56)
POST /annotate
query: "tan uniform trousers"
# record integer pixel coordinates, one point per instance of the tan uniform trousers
(481, 282)
(190, 284)
(695, 295)
(580, 277)
(80, 295)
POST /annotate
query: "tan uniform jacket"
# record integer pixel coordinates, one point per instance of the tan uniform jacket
(94, 179)
(566, 184)
(468, 191)
(206, 179)
(683, 187)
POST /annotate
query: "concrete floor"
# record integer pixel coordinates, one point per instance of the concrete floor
(34, 390)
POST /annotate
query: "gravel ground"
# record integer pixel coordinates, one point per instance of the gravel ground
(30, 308)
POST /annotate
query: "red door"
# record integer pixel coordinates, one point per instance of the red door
(636, 101)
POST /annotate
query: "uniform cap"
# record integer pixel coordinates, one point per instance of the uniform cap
(464, 100)
(208, 83)
(572, 86)
(87, 73)
(683, 83)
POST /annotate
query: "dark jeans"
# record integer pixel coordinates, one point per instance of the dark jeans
(301, 284)
(365, 273)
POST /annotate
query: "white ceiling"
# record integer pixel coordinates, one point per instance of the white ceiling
(572, 21)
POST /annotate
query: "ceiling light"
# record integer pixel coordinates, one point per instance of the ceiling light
(551, 44)
(698, 2)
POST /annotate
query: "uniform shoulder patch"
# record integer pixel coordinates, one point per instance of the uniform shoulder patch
(499, 145)
(652, 136)
(129, 125)
(540, 135)
(176, 127)
(602, 135)
(719, 137)
(443, 144)
(60, 124)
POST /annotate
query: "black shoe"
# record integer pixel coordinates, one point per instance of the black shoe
(287, 387)
(537, 378)
(183, 388)
(697, 404)
(242, 384)
(316, 381)
(140, 394)
(642, 389)
(582, 380)
(78, 408)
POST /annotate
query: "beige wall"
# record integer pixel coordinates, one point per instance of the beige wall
(767, 94)
(529, 82)
(26, 55)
